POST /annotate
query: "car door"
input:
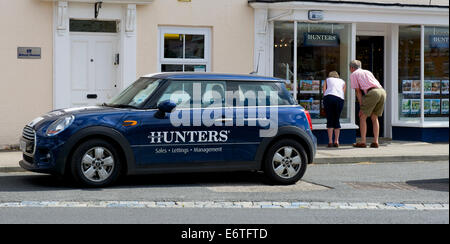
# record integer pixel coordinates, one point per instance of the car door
(183, 137)
(254, 115)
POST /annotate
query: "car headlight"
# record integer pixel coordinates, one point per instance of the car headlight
(60, 125)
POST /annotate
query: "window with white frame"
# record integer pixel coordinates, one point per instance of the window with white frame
(423, 91)
(184, 49)
(308, 52)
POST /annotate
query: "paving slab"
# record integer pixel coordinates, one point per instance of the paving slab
(393, 151)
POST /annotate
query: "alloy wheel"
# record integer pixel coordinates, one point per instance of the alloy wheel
(286, 162)
(97, 164)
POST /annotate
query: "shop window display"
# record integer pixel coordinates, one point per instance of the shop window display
(284, 52)
(436, 73)
(321, 48)
(409, 73)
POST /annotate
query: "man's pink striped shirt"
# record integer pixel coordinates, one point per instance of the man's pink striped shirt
(364, 80)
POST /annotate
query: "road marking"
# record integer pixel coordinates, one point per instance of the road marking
(227, 204)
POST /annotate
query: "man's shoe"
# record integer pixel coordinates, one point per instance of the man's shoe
(360, 145)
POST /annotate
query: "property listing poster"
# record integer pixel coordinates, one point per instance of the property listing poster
(444, 87)
(406, 106)
(435, 106)
(444, 106)
(415, 88)
(427, 106)
(411, 86)
(432, 87)
(306, 104)
(310, 86)
(415, 106)
(427, 86)
(406, 86)
(435, 87)
(313, 106)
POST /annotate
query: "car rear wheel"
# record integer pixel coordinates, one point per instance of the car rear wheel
(95, 163)
(285, 162)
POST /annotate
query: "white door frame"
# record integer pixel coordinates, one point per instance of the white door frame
(63, 11)
(387, 82)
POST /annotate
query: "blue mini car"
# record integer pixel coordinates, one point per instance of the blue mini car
(176, 122)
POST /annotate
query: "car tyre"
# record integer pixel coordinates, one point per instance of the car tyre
(95, 163)
(285, 162)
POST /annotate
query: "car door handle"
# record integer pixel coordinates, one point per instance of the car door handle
(224, 119)
(252, 119)
(92, 96)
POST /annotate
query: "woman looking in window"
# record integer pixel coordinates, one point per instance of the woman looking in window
(333, 101)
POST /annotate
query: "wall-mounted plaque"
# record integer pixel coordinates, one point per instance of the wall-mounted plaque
(29, 52)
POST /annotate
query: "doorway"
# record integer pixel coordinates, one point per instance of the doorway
(370, 51)
(94, 61)
(93, 69)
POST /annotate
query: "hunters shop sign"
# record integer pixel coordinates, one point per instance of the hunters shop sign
(320, 39)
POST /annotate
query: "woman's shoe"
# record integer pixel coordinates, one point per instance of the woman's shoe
(336, 145)
(374, 145)
(360, 145)
(330, 144)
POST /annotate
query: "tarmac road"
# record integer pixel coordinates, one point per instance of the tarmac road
(415, 192)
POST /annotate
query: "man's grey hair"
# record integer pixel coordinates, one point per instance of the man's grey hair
(356, 64)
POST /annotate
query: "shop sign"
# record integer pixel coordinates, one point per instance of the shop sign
(438, 41)
(321, 40)
(29, 52)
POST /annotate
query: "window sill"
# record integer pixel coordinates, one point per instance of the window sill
(426, 124)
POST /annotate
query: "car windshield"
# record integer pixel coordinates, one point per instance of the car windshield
(136, 95)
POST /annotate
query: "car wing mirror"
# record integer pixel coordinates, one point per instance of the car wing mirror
(164, 107)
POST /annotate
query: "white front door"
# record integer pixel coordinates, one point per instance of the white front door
(94, 68)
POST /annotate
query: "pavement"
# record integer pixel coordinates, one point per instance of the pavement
(389, 151)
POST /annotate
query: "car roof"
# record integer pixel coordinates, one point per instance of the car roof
(211, 76)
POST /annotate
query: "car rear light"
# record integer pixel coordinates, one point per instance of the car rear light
(308, 116)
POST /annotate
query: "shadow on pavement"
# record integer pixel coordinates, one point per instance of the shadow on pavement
(189, 179)
(432, 184)
(40, 182)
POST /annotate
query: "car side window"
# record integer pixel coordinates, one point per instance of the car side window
(179, 92)
(258, 94)
(213, 95)
(182, 93)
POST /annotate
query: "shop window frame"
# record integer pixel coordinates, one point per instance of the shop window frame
(421, 122)
(349, 121)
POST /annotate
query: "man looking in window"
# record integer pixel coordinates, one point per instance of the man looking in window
(371, 102)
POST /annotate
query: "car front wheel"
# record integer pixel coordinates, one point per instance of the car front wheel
(95, 163)
(285, 162)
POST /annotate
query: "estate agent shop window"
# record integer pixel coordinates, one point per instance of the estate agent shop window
(435, 53)
(305, 53)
